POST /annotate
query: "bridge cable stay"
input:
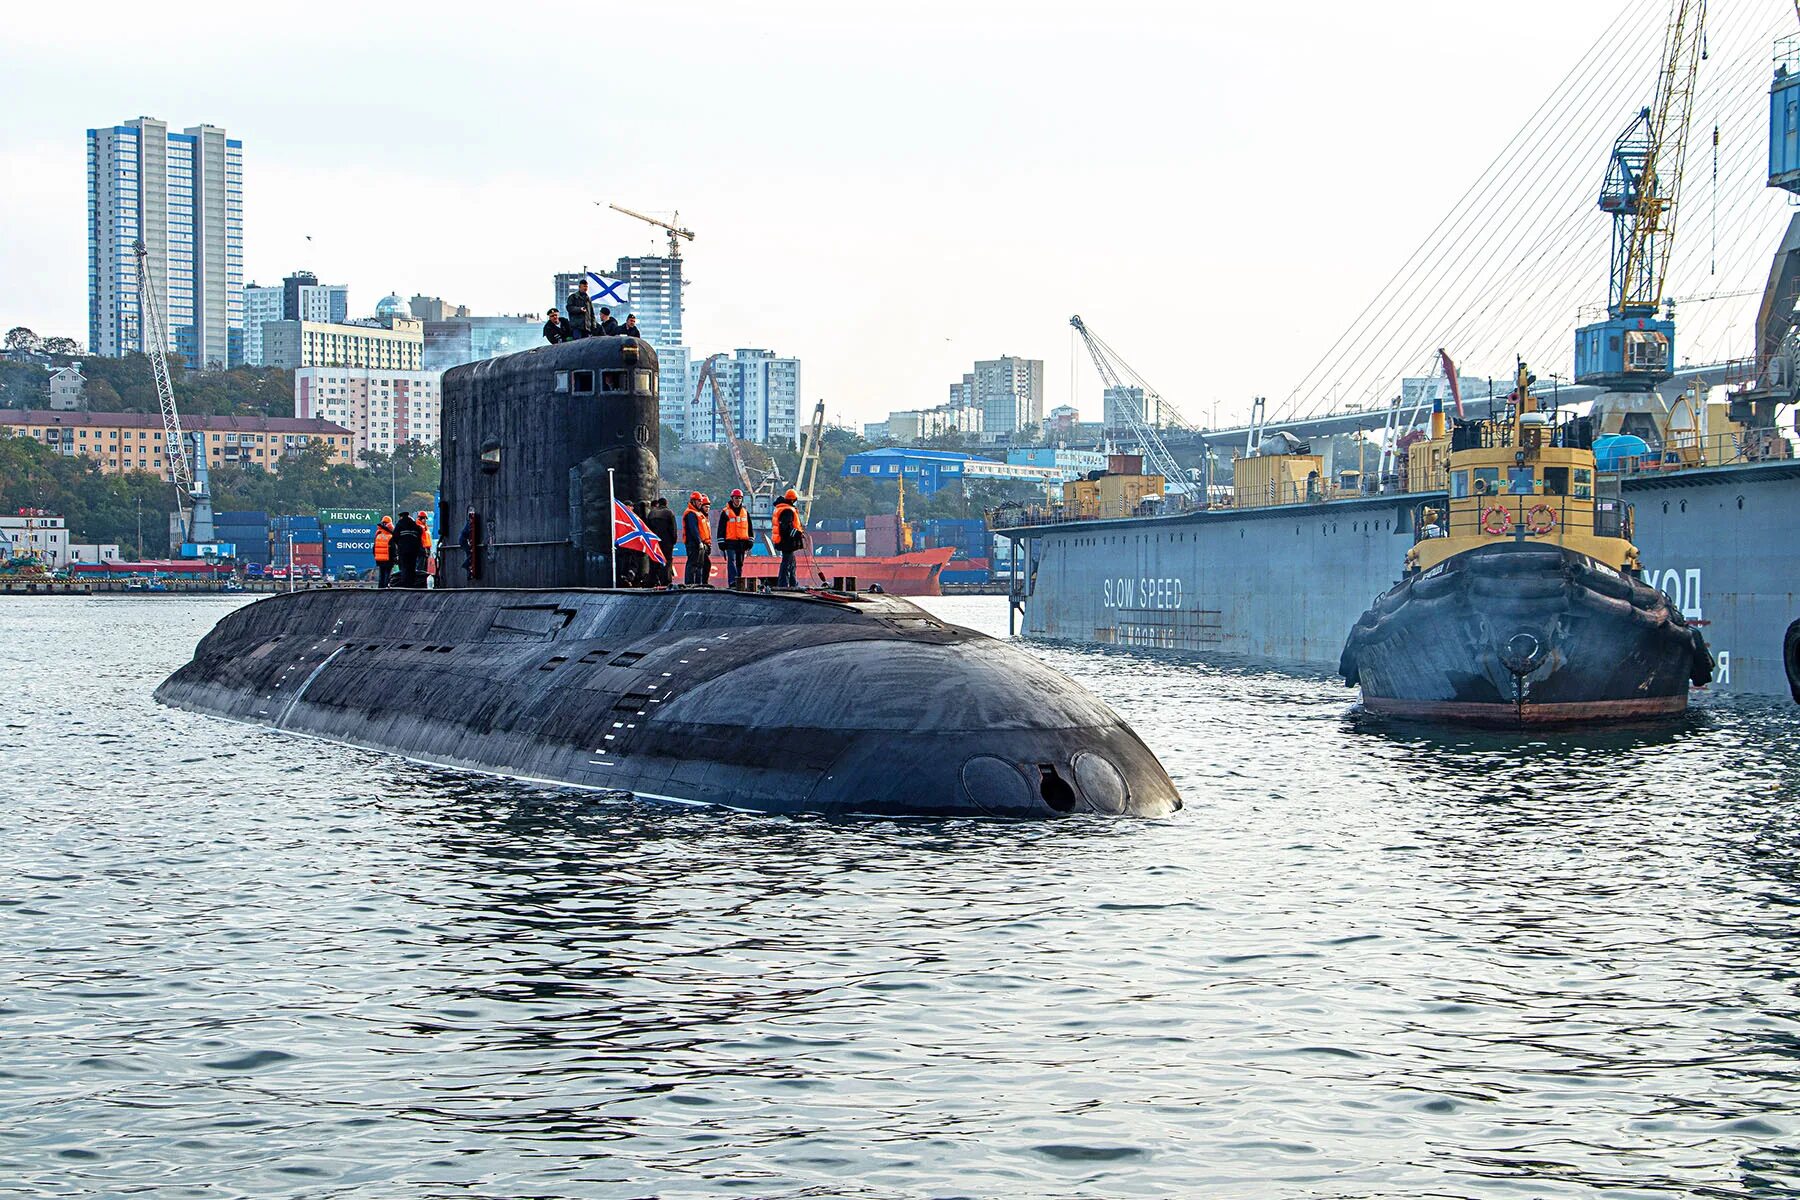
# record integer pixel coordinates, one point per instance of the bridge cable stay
(1520, 218)
(1513, 286)
(1580, 82)
(1502, 226)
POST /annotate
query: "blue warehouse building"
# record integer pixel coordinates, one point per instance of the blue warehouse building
(931, 470)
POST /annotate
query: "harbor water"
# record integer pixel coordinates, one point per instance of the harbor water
(1366, 960)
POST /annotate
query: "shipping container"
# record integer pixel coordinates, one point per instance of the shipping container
(350, 516)
(246, 517)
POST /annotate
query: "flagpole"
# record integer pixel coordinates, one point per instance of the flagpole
(612, 528)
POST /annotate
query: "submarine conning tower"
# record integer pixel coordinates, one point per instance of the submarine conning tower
(527, 443)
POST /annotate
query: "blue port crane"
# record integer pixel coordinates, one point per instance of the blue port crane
(1632, 349)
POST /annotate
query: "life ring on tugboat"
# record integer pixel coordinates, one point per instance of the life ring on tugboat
(1540, 519)
(1495, 520)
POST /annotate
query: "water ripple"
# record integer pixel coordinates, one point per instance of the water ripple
(1367, 960)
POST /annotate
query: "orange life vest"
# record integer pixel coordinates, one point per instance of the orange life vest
(700, 522)
(424, 537)
(737, 524)
(383, 536)
(787, 520)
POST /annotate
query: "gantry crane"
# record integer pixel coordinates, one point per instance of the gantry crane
(676, 232)
(193, 501)
(1112, 371)
(1632, 350)
(807, 476)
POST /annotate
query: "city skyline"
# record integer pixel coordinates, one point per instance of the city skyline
(920, 193)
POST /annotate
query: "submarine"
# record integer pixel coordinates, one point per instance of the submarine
(525, 663)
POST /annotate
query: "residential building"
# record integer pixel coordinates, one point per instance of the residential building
(877, 431)
(34, 533)
(132, 441)
(761, 391)
(1119, 406)
(386, 343)
(1068, 464)
(382, 409)
(261, 305)
(94, 552)
(456, 340)
(68, 388)
(434, 308)
(304, 298)
(932, 470)
(1010, 393)
(1060, 423)
(182, 195)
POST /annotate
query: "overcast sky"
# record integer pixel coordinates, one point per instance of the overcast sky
(887, 191)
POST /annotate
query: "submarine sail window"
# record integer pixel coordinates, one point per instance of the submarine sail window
(562, 382)
(646, 383)
(581, 383)
(615, 381)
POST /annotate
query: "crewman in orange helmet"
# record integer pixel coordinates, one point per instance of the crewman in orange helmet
(696, 535)
(789, 537)
(384, 559)
(427, 567)
(736, 536)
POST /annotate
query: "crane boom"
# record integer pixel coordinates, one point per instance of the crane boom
(1644, 178)
(676, 232)
(1633, 349)
(807, 475)
(1109, 365)
(156, 349)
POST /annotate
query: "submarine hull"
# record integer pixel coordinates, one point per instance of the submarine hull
(799, 702)
(1520, 634)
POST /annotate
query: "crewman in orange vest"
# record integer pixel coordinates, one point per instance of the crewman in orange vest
(426, 567)
(736, 535)
(789, 537)
(696, 534)
(384, 559)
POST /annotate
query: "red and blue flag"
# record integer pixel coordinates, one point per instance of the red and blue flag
(630, 533)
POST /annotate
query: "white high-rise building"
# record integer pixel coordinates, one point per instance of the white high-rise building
(261, 305)
(383, 408)
(1010, 393)
(182, 194)
(761, 391)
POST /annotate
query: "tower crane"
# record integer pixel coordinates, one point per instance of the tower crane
(1112, 370)
(193, 501)
(1632, 350)
(676, 232)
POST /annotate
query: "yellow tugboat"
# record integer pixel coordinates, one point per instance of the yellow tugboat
(1521, 601)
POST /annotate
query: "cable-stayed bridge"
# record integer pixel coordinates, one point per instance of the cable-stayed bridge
(1522, 257)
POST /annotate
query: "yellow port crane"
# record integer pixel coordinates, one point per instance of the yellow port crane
(676, 232)
(1644, 180)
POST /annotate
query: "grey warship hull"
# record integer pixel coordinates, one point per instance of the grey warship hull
(779, 703)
